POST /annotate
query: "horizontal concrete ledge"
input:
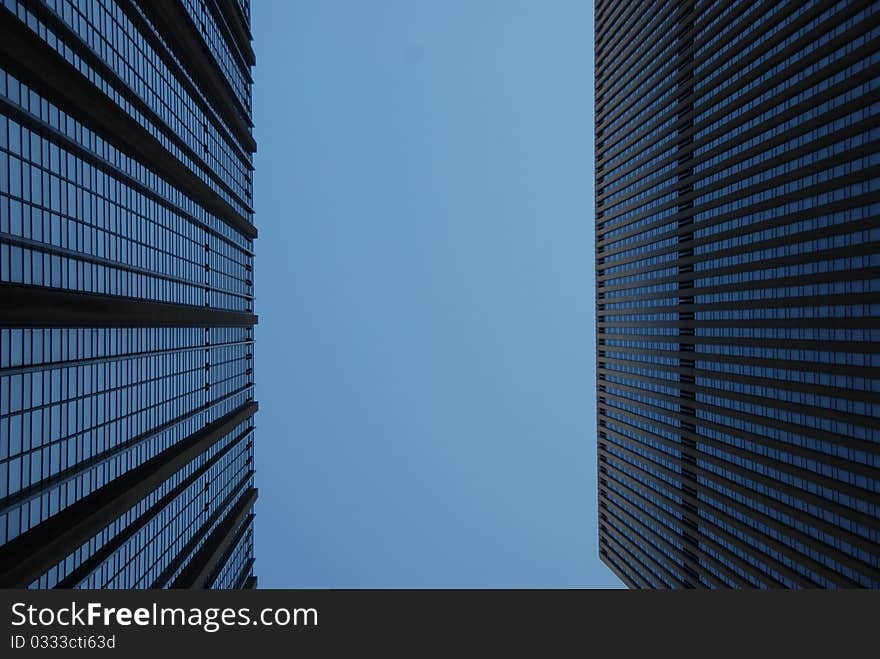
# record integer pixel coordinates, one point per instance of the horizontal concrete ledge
(28, 556)
(183, 36)
(223, 550)
(108, 549)
(39, 306)
(202, 563)
(239, 26)
(245, 575)
(52, 76)
(228, 553)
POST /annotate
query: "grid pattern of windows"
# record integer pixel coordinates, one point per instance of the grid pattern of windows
(738, 292)
(126, 404)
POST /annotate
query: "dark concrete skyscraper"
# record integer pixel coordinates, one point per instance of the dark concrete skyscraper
(126, 294)
(738, 292)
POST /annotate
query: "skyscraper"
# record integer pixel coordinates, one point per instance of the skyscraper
(126, 294)
(738, 292)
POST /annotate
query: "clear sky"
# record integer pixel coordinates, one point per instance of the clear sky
(426, 351)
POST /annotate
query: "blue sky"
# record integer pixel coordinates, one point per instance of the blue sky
(425, 357)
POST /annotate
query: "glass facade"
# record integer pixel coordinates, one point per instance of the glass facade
(738, 292)
(126, 273)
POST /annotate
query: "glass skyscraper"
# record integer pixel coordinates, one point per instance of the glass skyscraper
(738, 292)
(126, 294)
